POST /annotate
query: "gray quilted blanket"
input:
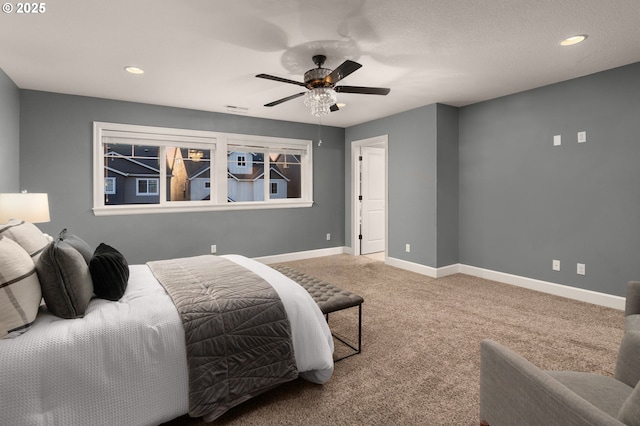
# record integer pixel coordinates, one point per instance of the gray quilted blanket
(238, 336)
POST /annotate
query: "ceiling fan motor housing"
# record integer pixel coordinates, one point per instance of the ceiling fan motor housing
(316, 78)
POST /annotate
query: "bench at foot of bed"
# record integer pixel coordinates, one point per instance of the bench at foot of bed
(329, 298)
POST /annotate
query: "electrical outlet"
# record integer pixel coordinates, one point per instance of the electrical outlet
(556, 265)
(580, 269)
(407, 248)
(328, 237)
(582, 137)
(213, 249)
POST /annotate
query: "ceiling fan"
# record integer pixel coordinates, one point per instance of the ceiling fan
(321, 85)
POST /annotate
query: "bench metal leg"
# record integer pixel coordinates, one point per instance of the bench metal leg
(357, 349)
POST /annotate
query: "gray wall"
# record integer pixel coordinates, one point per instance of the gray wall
(447, 175)
(524, 202)
(56, 143)
(9, 134)
(418, 139)
(519, 201)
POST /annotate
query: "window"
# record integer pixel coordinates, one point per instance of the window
(147, 187)
(187, 171)
(109, 185)
(142, 169)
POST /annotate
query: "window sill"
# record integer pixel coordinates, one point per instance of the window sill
(147, 209)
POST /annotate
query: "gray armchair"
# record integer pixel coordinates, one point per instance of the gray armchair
(515, 392)
(632, 306)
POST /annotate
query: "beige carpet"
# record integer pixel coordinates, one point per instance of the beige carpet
(420, 362)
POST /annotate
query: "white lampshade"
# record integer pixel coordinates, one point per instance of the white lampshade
(32, 208)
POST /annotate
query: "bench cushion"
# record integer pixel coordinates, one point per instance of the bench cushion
(328, 297)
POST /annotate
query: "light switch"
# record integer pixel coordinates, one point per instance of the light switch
(557, 140)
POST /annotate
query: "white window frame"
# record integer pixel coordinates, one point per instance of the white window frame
(218, 143)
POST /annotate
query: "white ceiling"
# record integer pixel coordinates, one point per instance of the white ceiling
(204, 54)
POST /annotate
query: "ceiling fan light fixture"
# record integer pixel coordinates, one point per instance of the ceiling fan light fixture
(570, 41)
(320, 100)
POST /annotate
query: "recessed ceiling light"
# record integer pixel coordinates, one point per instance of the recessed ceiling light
(570, 41)
(134, 70)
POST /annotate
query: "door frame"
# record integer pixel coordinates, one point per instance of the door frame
(381, 141)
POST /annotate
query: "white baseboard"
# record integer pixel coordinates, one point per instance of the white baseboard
(422, 269)
(589, 296)
(300, 255)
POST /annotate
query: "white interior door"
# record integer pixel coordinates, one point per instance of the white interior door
(373, 200)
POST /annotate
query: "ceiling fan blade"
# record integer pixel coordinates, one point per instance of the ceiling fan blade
(282, 80)
(334, 108)
(362, 90)
(346, 68)
(288, 98)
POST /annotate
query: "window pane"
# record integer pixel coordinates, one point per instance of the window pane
(286, 172)
(188, 174)
(245, 176)
(152, 186)
(131, 174)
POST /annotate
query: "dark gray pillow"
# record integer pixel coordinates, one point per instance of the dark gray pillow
(65, 280)
(77, 243)
(109, 272)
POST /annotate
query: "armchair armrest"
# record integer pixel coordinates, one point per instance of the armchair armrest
(513, 391)
(632, 303)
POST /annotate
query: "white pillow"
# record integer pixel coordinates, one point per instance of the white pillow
(27, 235)
(20, 292)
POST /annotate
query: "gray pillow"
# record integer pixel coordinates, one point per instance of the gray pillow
(628, 361)
(630, 412)
(65, 280)
(77, 243)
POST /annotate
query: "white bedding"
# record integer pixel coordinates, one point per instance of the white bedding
(124, 362)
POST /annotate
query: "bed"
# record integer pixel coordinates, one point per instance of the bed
(125, 361)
